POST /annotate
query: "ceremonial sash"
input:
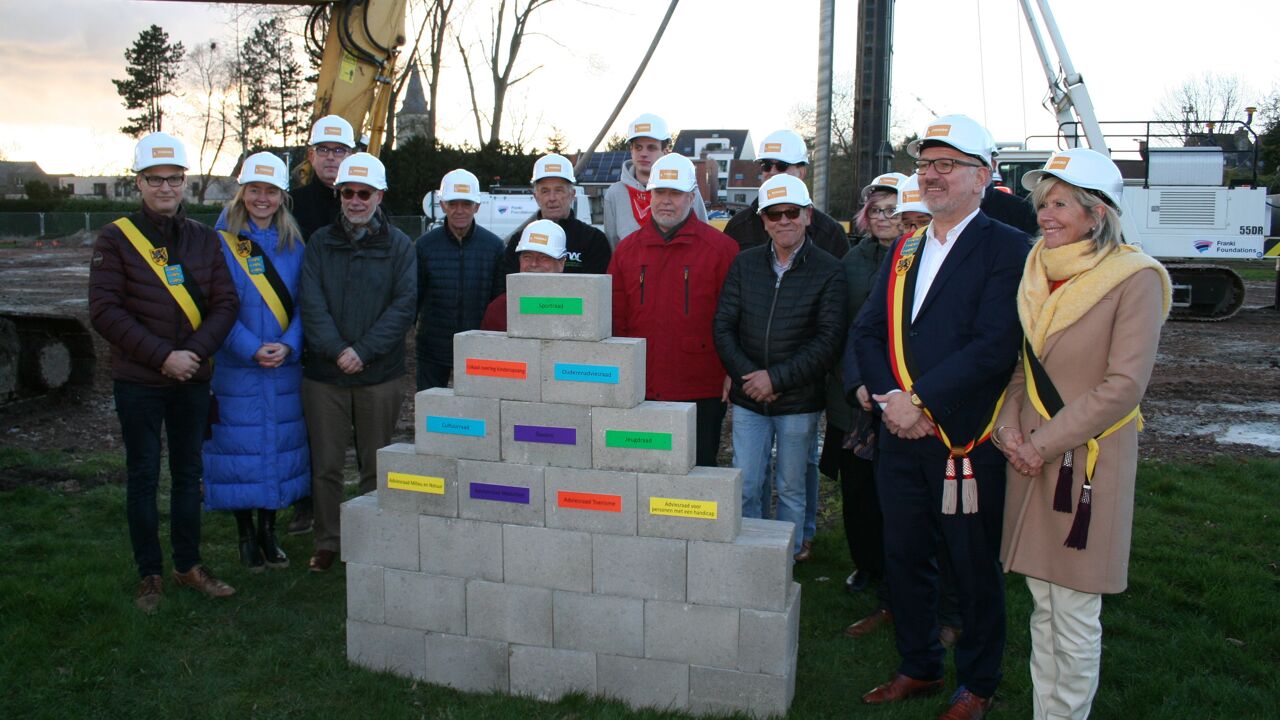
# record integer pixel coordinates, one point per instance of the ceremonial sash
(171, 276)
(1047, 402)
(262, 273)
(899, 300)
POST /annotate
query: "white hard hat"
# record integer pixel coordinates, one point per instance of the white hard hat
(1084, 168)
(159, 148)
(891, 181)
(784, 145)
(909, 197)
(960, 132)
(553, 166)
(673, 171)
(543, 236)
(334, 129)
(459, 185)
(650, 126)
(265, 168)
(363, 168)
(783, 190)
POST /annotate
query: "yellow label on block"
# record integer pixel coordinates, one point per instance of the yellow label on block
(415, 483)
(677, 507)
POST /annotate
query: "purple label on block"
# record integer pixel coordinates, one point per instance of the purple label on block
(546, 434)
(500, 493)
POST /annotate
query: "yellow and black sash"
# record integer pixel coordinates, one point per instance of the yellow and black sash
(168, 269)
(1045, 399)
(262, 273)
(899, 301)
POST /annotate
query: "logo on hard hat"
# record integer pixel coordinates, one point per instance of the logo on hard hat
(886, 180)
(1059, 163)
(911, 196)
(553, 168)
(668, 174)
(264, 170)
(332, 130)
(355, 171)
(773, 147)
(161, 152)
(643, 127)
(937, 130)
(776, 193)
(462, 188)
(538, 238)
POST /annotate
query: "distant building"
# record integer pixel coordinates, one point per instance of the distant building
(720, 147)
(122, 187)
(411, 121)
(15, 174)
(744, 182)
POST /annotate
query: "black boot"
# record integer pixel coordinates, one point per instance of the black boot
(250, 553)
(274, 556)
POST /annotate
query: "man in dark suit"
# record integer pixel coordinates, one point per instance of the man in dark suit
(936, 361)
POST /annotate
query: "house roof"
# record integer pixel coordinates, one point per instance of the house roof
(16, 172)
(738, 140)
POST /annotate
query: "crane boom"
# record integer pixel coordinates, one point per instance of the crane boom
(1071, 102)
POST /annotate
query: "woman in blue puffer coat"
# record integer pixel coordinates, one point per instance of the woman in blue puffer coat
(257, 456)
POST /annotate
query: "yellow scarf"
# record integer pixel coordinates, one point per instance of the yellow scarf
(1089, 277)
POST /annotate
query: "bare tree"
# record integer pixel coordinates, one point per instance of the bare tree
(438, 22)
(1210, 98)
(210, 77)
(803, 117)
(500, 70)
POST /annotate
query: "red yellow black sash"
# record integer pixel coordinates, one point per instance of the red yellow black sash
(262, 273)
(183, 289)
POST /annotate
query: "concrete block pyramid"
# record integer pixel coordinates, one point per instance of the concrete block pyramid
(548, 532)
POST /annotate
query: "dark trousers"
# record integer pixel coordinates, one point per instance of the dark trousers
(710, 420)
(910, 488)
(182, 410)
(432, 374)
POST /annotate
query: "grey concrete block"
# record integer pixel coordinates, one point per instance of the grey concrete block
(466, 663)
(456, 426)
(706, 504)
(559, 306)
(609, 373)
(595, 501)
(714, 691)
(384, 648)
(546, 557)
(426, 602)
(549, 674)
(364, 593)
(492, 365)
(420, 484)
(598, 623)
(696, 634)
(753, 571)
(375, 536)
(656, 437)
(461, 548)
(643, 683)
(510, 613)
(767, 641)
(501, 492)
(546, 434)
(639, 567)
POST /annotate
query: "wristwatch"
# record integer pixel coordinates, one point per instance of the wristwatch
(915, 400)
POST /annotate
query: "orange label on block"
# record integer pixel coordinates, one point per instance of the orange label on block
(1059, 163)
(937, 130)
(504, 369)
(589, 501)
(776, 193)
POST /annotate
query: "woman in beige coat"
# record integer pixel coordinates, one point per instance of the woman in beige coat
(1091, 308)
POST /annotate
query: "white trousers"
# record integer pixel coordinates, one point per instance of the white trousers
(1066, 650)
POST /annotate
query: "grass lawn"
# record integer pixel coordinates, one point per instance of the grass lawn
(1196, 636)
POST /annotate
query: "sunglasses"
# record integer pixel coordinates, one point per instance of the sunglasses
(348, 193)
(776, 215)
(769, 165)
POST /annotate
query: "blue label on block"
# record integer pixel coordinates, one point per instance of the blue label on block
(571, 372)
(471, 427)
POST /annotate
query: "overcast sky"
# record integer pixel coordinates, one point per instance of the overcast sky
(746, 63)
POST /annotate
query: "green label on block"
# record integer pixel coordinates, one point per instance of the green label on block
(534, 305)
(633, 440)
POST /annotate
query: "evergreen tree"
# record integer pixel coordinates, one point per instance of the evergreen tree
(152, 66)
(275, 82)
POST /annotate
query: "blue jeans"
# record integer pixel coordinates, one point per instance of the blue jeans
(810, 490)
(754, 436)
(183, 411)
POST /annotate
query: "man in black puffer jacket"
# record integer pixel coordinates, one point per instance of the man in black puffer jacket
(779, 328)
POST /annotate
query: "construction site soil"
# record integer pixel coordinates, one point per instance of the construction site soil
(1215, 390)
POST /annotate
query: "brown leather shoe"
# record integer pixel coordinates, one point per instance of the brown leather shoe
(322, 561)
(966, 706)
(806, 551)
(150, 592)
(869, 623)
(949, 636)
(902, 687)
(200, 578)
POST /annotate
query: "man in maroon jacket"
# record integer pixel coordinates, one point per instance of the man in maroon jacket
(161, 295)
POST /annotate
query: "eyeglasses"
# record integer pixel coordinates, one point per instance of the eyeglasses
(944, 166)
(337, 151)
(884, 212)
(776, 215)
(769, 165)
(158, 180)
(348, 193)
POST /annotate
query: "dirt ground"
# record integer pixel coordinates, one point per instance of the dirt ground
(1215, 391)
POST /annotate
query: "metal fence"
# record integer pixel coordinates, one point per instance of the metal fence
(63, 224)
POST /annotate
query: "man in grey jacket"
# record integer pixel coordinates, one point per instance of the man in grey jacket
(357, 299)
(626, 202)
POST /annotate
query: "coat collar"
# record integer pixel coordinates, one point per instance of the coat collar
(968, 240)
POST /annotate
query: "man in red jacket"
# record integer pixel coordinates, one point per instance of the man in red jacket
(666, 283)
(161, 295)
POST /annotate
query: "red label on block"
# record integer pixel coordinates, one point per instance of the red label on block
(589, 501)
(497, 368)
